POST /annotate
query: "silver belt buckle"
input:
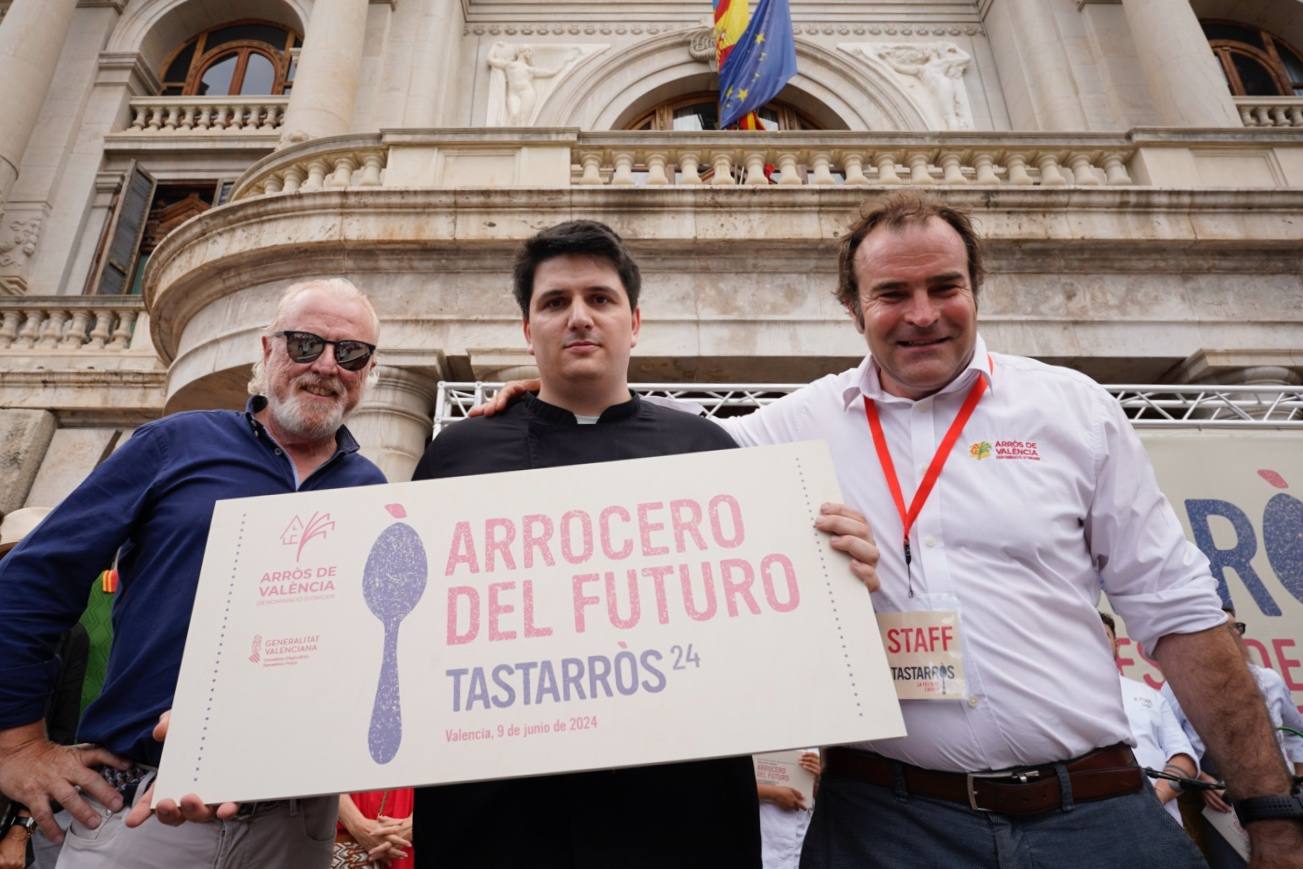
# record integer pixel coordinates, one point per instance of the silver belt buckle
(1016, 776)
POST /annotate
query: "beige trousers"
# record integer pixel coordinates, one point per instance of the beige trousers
(291, 834)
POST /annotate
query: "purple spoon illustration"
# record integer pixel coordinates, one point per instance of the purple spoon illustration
(392, 583)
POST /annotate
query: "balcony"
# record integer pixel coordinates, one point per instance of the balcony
(244, 122)
(1109, 251)
(1271, 111)
(86, 355)
(495, 158)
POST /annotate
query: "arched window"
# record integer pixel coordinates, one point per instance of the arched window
(240, 58)
(701, 112)
(1255, 63)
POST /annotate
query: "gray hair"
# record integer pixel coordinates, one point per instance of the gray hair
(340, 288)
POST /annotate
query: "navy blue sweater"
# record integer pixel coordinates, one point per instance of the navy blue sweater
(150, 503)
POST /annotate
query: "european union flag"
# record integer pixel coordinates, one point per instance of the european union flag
(760, 63)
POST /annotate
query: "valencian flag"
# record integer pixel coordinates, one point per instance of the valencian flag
(756, 57)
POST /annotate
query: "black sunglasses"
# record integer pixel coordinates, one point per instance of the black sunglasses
(1239, 627)
(305, 347)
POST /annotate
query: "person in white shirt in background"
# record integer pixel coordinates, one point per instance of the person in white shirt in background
(1161, 742)
(784, 817)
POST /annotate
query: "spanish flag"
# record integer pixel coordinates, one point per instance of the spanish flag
(756, 54)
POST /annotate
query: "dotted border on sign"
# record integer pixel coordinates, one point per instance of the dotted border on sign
(221, 640)
(836, 616)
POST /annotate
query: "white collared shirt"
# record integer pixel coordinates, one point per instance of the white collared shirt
(1047, 497)
(1280, 709)
(1158, 732)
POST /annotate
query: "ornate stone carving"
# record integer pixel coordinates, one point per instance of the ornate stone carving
(18, 242)
(930, 72)
(701, 45)
(523, 75)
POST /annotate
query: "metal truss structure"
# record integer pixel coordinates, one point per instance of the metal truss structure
(1165, 406)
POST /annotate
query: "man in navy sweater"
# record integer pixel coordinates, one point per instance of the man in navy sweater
(149, 505)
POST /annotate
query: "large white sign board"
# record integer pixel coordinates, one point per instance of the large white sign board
(593, 616)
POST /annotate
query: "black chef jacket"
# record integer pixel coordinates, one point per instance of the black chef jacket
(697, 814)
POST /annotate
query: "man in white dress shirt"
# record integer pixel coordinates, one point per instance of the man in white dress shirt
(1161, 742)
(1005, 494)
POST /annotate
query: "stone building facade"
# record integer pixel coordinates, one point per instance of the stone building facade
(168, 166)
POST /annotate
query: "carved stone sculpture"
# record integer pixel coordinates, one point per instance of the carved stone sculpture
(936, 68)
(517, 66)
(19, 238)
(701, 46)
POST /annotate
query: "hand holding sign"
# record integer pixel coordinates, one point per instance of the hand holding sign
(576, 618)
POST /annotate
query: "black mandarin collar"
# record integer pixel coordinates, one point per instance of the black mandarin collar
(554, 415)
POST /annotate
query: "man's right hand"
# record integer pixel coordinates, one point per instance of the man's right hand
(35, 771)
(170, 812)
(505, 396)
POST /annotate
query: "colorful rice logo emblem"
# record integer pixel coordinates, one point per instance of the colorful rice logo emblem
(980, 450)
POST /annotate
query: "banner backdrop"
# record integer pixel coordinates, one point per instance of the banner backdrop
(590, 616)
(1238, 494)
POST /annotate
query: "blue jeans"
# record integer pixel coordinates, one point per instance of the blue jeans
(863, 826)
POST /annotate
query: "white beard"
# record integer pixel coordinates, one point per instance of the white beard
(292, 418)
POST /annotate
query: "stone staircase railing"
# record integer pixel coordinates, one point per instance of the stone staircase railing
(68, 323)
(1270, 111)
(170, 116)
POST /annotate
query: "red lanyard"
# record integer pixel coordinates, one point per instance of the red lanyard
(933, 472)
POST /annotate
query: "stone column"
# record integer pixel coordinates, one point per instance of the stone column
(24, 437)
(498, 365)
(394, 421)
(1187, 88)
(434, 61)
(1044, 66)
(325, 86)
(31, 40)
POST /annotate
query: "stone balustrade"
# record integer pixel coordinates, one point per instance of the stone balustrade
(827, 160)
(68, 323)
(490, 158)
(1270, 111)
(340, 162)
(170, 116)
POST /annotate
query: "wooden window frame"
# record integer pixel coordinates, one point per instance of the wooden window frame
(1269, 57)
(662, 116)
(204, 57)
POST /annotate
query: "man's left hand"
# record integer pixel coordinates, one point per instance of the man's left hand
(191, 808)
(851, 534)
